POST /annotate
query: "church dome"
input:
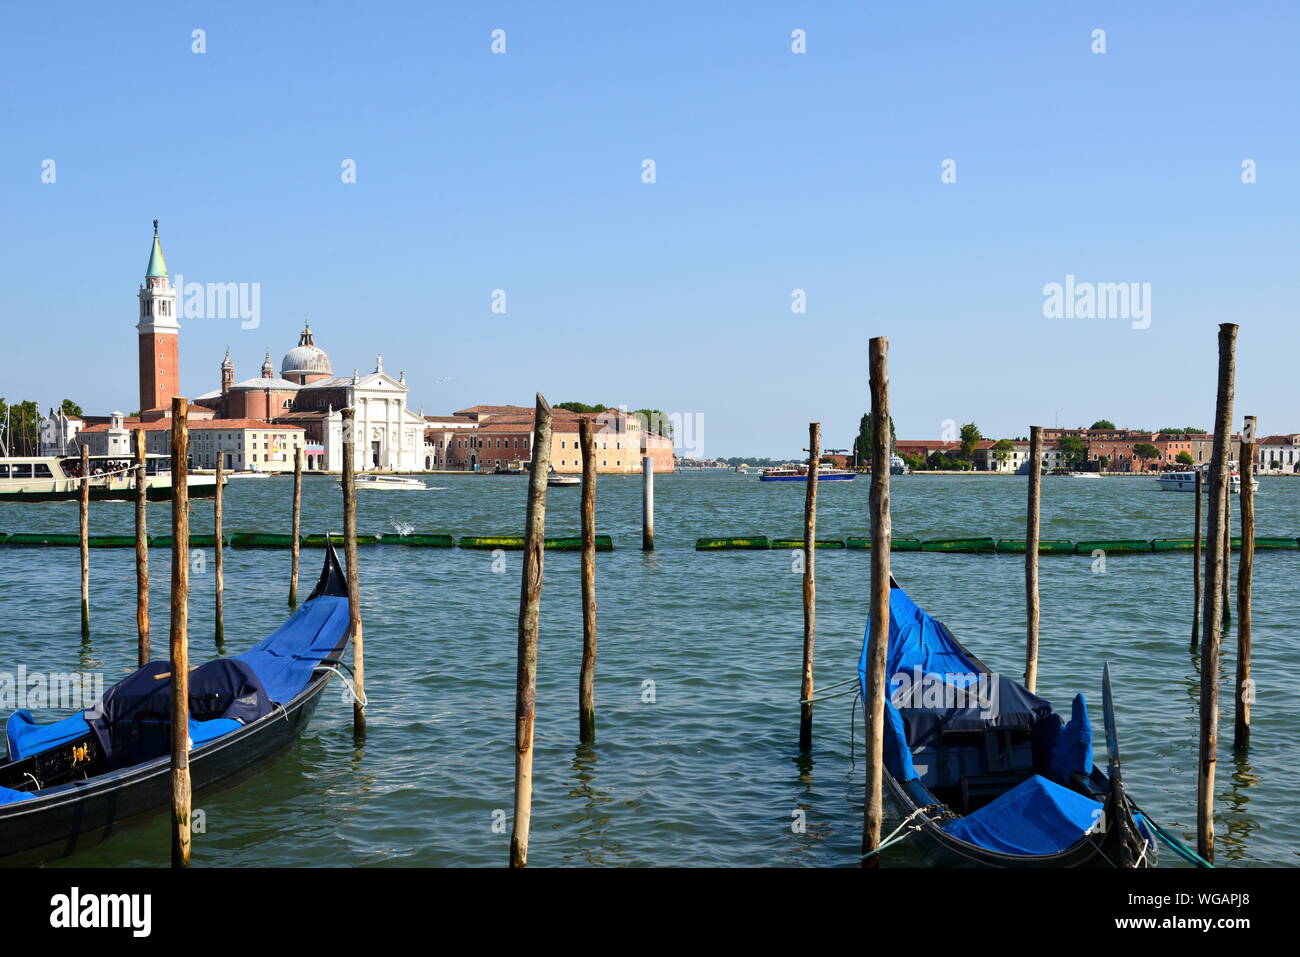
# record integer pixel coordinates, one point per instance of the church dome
(305, 358)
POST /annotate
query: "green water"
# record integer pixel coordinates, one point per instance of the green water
(708, 771)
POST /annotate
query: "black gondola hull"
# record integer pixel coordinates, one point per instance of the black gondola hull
(80, 815)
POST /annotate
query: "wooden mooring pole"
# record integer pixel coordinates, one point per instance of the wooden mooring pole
(220, 629)
(1243, 690)
(587, 678)
(1227, 551)
(180, 659)
(1215, 595)
(141, 551)
(354, 572)
(878, 635)
(85, 540)
(1031, 555)
(530, 600)
(807, 686)
(297, 527)
(647, 504)
(1196, 562)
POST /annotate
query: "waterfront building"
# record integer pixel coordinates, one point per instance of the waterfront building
(242, 444)
(1278, 455)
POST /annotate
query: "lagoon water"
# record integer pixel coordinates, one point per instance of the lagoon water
(707, 772)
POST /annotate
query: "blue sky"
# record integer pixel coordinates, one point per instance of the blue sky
(775, 172)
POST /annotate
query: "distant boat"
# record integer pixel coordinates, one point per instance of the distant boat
(1186, 482)
(555, 480)
(799, 473)
(897, 466)
(54, 478)
(392, 482)
(1083, 475)
(250, 474)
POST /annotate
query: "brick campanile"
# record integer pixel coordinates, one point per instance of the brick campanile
(159, 334)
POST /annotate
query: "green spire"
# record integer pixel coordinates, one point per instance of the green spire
(157, 265)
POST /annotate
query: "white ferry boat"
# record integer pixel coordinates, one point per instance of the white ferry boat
(1186, 481)
(54, 478)
(799, 473)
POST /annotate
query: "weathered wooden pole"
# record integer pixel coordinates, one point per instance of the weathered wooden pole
(530, 600)
(878, 635)
(180, 743)
(141, 551)
(587, 678)
(1196, 563)
(220, 556)
(1227, 552)
(1031, 555)
(354, 577)
(1215, 595)
(85, 540)
(297, 527)
(647, 504)
(1244, 690)
(807, 685)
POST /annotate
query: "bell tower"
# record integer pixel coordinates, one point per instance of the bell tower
(159, 334)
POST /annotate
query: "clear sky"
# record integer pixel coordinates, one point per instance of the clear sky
(775, 171)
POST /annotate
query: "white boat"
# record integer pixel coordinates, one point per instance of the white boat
(799, 473)
(250, 474)
(1094, 475)
(53, 478)
(897, 466)
(394, 482)
(555, 480)
(1186, 481)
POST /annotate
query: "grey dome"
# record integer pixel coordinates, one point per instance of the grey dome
(305, 357)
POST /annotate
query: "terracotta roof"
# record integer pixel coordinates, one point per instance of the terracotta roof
(200, 424)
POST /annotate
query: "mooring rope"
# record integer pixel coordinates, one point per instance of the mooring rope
(819, 697)
(893, 839)
(1178, 847)
(363, 701)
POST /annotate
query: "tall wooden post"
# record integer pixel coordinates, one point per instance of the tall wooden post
(530, 600)
(1031, 555)
(647, 504)
(878, 635)
(180, 743)
(587, 679)
(141, 551)
(807, 685)
(297, 527)
(354, 575)
(1196, 562)
(1214, 593)
(85, 540)
(1227, 550)
(1243, 690)
(220, 557)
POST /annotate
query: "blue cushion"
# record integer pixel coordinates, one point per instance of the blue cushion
(1037, 816)
(26, 738)
(203, 731)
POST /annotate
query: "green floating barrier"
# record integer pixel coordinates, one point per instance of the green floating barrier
(896, 545)
(41, 539)
(516, 543)
(729, 544)
(111, 541)
(260, 540)
(4, 537)
(1276, 543)
(798, 543)
(1115, 546)
(959, 545)
(1176, 544)
(318, 541)
(421, 541)
(1050, 546)
(196, 541)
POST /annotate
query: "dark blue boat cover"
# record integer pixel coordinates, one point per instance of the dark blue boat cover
(935, 687)
(285, 659)
(132, 719)
(1037, 816)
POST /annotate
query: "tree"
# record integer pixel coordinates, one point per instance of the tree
(581, 407)
(915, 462)
(937, 460)
(1074, 451)
(654, 422)
(862, 444)
(1185, 458)
(1002, 450)
(970, 436)
(1146, 451)
(71, 408)
(22, 427)
(1186, 430)
(1103, 424)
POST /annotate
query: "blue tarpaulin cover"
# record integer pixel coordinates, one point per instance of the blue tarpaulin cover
(1037, 816)
(285, 659)
(25, 737)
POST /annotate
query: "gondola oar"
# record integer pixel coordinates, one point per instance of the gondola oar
(1119, 819)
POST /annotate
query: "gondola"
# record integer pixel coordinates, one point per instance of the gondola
(983, 773)
(69, 785)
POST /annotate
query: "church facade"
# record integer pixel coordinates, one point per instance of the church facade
(306, 393)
